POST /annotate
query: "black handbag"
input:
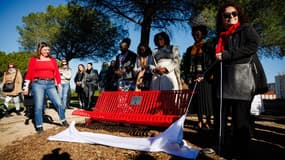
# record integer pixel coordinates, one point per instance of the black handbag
(239, 81)
(9, 87)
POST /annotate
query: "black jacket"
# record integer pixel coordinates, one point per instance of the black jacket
(242, 45)
(128, 64)
(207, 58)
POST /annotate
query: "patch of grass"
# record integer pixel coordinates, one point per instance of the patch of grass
(11, 105)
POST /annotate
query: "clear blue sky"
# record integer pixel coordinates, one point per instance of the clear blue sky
(12, 11)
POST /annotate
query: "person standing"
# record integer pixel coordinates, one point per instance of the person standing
(102, 76)
(238, 43)
(44, 75)
(12, 74)
(141, 69)
(165, 64)
(110, 77)
(125, 63)
(196, 61)
(78, 80)
(65, 75)
(90, 80)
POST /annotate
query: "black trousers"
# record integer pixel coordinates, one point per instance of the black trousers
(238, 133)
(89, 91)
(82, 97)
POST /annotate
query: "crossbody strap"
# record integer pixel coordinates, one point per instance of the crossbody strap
(15, 76)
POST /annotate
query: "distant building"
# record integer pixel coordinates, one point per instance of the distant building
(276, 90)
(271, 86)
(280, 86)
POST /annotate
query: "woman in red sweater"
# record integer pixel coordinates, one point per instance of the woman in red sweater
(43, 74)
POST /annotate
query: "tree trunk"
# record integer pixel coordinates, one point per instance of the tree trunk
(145, 32)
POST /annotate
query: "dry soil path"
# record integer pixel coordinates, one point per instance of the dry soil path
(14, 127)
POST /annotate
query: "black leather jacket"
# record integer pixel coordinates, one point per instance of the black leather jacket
(91, 77)
(242, 45)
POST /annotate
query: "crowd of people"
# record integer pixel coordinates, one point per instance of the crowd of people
(160, 68)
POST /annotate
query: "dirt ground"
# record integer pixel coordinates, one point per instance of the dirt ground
(19, 141)
(16, 127)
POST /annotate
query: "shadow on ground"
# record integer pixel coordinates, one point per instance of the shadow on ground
(267, 140)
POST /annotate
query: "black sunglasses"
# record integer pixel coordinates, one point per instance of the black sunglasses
(229, 14)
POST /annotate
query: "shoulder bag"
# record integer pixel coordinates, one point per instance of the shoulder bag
(9, 87)
(238, 81)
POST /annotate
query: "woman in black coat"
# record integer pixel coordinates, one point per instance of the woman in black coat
(197, 59)
(78, 80)
(238, 43)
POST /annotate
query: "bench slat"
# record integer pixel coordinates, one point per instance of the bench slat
(152, 108)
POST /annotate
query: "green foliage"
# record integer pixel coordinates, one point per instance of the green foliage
(41, 27)
(88, 33)
(77, 32)
(19, 59)
(154, 14)
(73, 32)
(270, 24)
(267, 16)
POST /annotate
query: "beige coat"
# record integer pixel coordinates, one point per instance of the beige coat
(9, 77)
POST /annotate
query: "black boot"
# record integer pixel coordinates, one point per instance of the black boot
(64, 123)
(39, 130)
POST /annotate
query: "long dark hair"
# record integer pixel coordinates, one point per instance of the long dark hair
(78, 70)
(147, 51)
(243, 18)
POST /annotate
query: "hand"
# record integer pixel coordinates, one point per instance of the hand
(59, 88)
(219, 56)
(26, 92)
(199, 79)
(160, 70)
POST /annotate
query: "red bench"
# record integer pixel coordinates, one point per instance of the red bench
(151, 108)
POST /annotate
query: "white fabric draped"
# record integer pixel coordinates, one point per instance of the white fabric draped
(257, 106)
(170, 141)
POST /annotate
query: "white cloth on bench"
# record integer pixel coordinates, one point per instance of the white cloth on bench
(170, 141)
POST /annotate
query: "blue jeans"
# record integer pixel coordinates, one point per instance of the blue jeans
(64, 94)
(40, 88)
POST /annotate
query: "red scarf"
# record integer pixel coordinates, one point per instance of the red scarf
(223, 37)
